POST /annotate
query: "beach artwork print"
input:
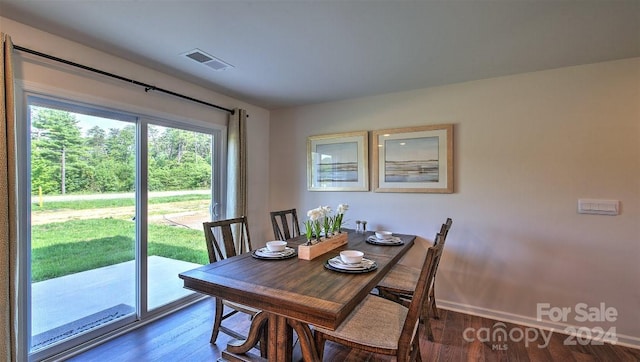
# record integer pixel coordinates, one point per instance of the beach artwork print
(337, 162)
(412, 160)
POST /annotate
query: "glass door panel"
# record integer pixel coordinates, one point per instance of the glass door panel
(179, 201)
(82, 171)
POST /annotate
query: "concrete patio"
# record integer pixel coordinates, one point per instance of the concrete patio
(60, 301)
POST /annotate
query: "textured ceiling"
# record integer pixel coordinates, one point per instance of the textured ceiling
(302, 52)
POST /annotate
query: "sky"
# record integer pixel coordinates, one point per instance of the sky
(86, 122)
(413, 149)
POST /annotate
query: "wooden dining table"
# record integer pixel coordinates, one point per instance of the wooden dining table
(293, 293)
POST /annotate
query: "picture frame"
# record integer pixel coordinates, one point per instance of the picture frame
(338, 162)
(414, 159)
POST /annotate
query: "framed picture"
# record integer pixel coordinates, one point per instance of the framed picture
(415, 159)
(338, 162)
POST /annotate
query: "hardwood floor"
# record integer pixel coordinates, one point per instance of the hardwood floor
(184, 336)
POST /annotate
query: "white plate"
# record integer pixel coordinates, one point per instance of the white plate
(266, 253)
(338, 263)
(392, 240)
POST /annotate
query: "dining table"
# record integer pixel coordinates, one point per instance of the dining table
(294, 294)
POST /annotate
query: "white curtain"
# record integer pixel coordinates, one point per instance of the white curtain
(8, 218)
(237, 164)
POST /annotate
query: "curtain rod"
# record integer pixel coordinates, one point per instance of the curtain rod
(147, 87)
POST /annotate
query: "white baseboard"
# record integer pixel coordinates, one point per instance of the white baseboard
(622, 340)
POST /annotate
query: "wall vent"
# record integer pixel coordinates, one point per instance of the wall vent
(210, 61)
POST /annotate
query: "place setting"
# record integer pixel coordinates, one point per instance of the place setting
(351, 261)
(274, 250)
(384, 238)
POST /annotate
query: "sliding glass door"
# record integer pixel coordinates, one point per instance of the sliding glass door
(116, 210)
(179, 201)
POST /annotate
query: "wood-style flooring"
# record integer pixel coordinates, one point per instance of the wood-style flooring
(184, 336)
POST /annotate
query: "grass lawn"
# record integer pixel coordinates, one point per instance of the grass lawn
(73, 246)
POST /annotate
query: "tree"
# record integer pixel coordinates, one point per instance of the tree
(178, 159)
(57, 143)
(63, 160)
(117, 170)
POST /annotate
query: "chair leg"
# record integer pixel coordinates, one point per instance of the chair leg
(418, 354)
(319, 340)
(427, 327)
(432, 303)
(424, 313)
(425, 319)
(413, 354)
(217, 321)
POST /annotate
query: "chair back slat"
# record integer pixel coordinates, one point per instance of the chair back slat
(285, 224)
(447, 226)
(444, 231)
(235, 238)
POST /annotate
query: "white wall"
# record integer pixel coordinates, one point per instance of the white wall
(68, 81)
(527, 147)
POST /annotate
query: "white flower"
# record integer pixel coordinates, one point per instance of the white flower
(342, 208)
(325, 210)
(315, 214)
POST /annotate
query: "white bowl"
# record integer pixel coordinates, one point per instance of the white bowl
(351, 256)
(384, 235)
(276, 245)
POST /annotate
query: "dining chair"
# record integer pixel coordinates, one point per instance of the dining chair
(399, 283)
(382, 326)
(235, 240)
(432, 292)
(285, 224)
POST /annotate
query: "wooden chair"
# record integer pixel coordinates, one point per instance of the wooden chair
(235, 241)
(432, 292)
(382, 326)
(399, 283)
(285, 224)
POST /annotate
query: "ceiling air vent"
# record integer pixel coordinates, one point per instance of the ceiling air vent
(208, 60)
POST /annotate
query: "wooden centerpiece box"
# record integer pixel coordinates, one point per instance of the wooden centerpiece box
(308, 252)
